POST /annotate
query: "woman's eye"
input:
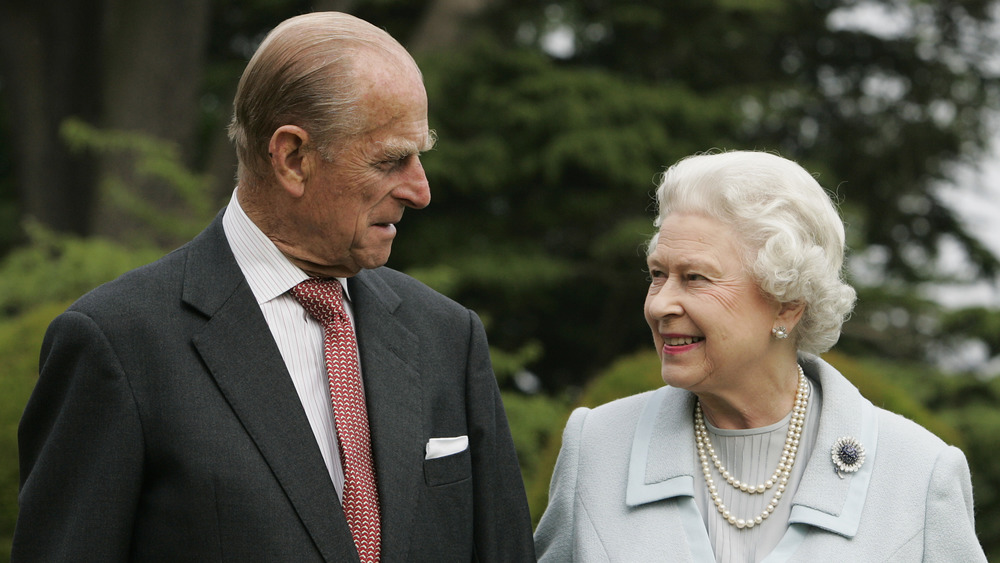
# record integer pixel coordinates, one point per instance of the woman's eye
(655, 277)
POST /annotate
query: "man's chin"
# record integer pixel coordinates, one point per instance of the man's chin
(372, 260)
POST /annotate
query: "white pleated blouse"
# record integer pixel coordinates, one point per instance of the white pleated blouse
(751, 456)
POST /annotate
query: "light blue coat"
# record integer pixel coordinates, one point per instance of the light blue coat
(623, 487)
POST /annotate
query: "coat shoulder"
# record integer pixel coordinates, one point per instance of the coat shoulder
(908, 440)
(613, 420)
(907, 429)
(406, 284)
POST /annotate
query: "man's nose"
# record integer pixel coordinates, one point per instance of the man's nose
(415, 191)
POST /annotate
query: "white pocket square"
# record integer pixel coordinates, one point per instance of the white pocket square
(440, 447)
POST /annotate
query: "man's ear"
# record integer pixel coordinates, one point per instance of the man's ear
(289, 158)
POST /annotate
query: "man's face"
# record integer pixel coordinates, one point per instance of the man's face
(352, 202)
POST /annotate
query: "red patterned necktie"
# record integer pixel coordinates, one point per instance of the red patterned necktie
(321, 298)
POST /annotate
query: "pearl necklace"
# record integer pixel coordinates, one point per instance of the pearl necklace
(778, 480)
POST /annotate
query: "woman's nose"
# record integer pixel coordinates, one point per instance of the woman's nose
(665, 302)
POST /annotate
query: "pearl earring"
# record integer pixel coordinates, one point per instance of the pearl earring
(779, 332)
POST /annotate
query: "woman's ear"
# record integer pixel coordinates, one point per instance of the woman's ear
(789, 314)
(289, 158)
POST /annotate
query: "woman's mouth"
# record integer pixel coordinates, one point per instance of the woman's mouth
(682, 340)
(673, 345)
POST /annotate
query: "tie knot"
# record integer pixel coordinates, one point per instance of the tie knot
(321, 298)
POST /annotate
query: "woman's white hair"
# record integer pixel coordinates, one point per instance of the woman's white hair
(791, 233)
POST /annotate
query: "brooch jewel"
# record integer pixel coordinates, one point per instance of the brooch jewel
(848, 455)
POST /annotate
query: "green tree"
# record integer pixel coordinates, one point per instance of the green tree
(879, 97)
(546, 160)
(547, 157)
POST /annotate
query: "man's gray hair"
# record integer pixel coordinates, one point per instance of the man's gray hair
(304, 73)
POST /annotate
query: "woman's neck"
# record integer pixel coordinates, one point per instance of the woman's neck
(753, 406)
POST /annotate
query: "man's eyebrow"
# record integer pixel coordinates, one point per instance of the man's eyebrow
(401, 148)
(429, 141)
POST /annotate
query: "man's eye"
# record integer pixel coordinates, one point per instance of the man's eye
(391, 164)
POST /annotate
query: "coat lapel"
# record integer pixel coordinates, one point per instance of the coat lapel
(662, 464)
(823, 499)
(390, 353)
(241, 355)
(662, 460)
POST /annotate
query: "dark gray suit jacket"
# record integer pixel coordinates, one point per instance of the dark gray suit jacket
(165, 427)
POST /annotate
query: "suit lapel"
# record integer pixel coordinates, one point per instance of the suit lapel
(241, 355)
(389, 353)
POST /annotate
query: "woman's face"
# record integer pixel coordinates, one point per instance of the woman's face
(711, 325)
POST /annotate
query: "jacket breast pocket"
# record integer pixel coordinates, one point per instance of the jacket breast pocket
(448, 469)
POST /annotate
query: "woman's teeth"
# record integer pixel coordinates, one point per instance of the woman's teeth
(683, 341)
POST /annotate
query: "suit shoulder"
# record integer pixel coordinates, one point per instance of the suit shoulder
(157, 281)
(625, 404)
(411, 289)
(142, 285)
(398, 280)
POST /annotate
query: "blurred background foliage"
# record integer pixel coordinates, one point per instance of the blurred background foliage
(554, 119)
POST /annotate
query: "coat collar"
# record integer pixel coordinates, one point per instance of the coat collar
(239, 352)
(663, 462)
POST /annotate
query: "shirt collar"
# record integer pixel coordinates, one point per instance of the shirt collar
(269, 273)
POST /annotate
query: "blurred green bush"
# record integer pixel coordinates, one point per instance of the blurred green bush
(37, 282)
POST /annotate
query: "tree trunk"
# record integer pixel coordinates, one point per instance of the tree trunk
(50, 67)
(444, 24)
(154, 55)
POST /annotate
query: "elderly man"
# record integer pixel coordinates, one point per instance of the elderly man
(271, 392)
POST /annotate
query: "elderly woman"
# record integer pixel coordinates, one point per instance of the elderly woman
(756, 449)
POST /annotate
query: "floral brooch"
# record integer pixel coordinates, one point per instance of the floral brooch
(848, 455)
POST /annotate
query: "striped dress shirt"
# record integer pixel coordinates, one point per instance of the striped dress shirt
(299, 337)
